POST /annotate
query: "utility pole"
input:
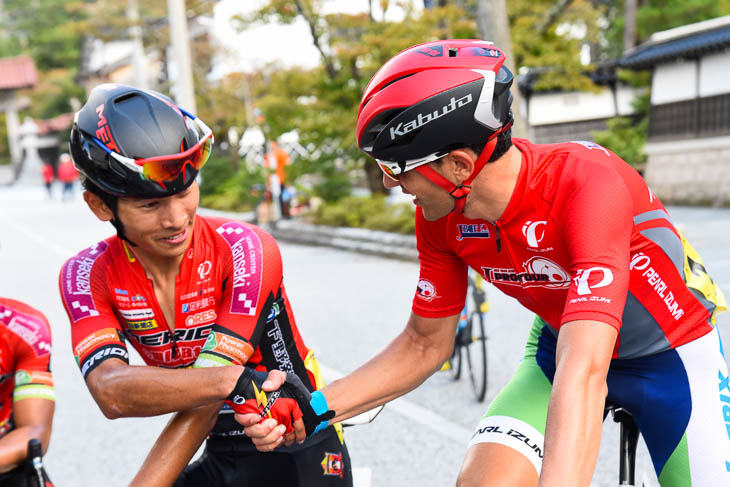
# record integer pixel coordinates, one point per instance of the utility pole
(135, 30)
(493, 26)
(183, 79)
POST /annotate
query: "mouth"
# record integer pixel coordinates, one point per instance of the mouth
(177, 238)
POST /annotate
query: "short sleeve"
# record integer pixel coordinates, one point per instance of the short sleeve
(442, 280)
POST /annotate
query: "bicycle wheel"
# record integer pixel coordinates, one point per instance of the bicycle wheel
(476, 355)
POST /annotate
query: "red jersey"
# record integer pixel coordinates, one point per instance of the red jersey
(25, 355)
(230, 304)
(582, 238)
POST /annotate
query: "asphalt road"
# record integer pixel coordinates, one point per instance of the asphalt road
(348, 307)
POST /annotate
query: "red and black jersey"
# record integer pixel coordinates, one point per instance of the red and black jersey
(229, 301)
(582, 238)
(25, 355)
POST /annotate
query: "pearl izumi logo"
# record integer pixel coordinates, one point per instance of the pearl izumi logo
(423, 118)
(534, 232)
(584, 285)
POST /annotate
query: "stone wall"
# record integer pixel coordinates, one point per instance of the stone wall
(693, 172)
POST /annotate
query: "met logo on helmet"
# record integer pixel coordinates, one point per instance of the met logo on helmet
(422, 119)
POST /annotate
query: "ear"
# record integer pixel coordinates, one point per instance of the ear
(98, 207)
(463, 163)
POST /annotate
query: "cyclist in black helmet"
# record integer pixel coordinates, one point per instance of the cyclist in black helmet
(197, 297)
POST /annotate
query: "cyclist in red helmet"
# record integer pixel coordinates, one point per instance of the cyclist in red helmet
(625, 309)
(198, 297)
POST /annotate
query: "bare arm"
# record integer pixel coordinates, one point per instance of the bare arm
(575, 412)
(419, 350)
(123, 390)
(175, 446)
(33, 419)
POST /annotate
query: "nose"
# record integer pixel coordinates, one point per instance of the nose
(174, 214)
(389, 182)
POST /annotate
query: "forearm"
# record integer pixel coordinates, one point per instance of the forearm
(399, 368)
(14, 445)
(125, 391)
(574, 425)
(175, 446)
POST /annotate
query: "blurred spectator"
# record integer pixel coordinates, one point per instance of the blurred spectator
(67, 174)
(48, 176)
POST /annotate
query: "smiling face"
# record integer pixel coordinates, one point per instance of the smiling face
(160, 227)
(435, 202)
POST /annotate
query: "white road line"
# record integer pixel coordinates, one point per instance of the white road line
(418, 414)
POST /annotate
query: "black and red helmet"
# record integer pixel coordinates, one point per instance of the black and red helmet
(133, 142)
(434, 97)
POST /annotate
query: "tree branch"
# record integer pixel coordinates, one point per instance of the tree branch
(552, 15)
(331, 71)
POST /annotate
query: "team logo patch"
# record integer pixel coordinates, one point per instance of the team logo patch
(538, 271)
(32, 331)
(332, 464)
(472, 230)
(426, 290)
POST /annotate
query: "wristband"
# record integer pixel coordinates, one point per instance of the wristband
(319, 405)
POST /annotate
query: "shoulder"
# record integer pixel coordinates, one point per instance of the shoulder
(27, 324)
(84, 273)
(238, 237)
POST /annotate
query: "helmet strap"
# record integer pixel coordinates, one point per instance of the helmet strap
(120, 229)
(460, 191)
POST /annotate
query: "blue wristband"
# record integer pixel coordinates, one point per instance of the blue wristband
(319, 405)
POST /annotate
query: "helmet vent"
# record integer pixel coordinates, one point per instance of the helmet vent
(125, 97)
(453, 52)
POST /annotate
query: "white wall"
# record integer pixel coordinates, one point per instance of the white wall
(547, 108)
(715, 74)
(674, 82)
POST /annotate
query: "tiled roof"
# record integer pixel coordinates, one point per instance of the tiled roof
(668, 48)
(17, 72)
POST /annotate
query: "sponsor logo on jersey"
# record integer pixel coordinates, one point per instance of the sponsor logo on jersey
(31, 331)
(142, 325)
(202, 317)
(204, 269)
(198, 304)
(96, 339)
(121, 291)
(23, 377)
(724, 388)
(138, 298)
(592, 278)
(426, 290)
(425, 118)
(228, 346)
(590, 145)
(640, 262)
(538, 271)
(534, 232)
(332, 464)
(278, 348)
(164, 337)
(102, 354)
(75, 285)
(247, 266)
(137, 314)
(273, 312)
(472, 230)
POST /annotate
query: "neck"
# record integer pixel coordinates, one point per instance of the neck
(493, 187)
(158, 269)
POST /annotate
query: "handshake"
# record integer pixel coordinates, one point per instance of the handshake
(290, 403)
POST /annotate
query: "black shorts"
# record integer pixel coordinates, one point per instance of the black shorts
(325, 462)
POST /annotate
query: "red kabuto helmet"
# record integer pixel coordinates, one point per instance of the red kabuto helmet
(433, 98)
